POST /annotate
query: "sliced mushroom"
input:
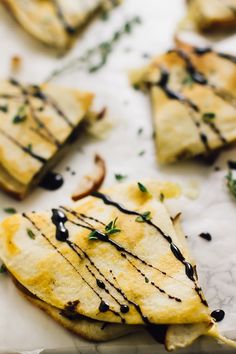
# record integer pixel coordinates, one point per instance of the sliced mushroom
(92, 182)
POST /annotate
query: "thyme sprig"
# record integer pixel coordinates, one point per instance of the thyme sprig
(110, 229)
(95, 58)
(231, 183)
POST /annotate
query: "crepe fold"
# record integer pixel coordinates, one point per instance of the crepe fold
(210, 16)
(192, 91)
(56, 22)
(37, 125)
(113, 263)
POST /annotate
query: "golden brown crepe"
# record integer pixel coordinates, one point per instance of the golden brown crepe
(36, 125)
(193, 94)
(210, 15)
(55, 22)
(116, 257)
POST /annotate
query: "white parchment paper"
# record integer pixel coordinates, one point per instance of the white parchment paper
(24, 328)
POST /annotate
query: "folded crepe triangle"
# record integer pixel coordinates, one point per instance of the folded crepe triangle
(111, 264)
(56, 23)
(37, 124)
(193, 94)
(210, 16)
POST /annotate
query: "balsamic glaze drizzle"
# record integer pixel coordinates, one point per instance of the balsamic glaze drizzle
(40, 124)
(175, 250)
(59, 220)
(38, 93)
(24, 148)
(52, 181)
(200, 78)
(203, 51)
(151, 282)
(67, 27)
(163, 82)
(197, 76)
(218, 315)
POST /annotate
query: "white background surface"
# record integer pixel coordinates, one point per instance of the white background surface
(23, 327)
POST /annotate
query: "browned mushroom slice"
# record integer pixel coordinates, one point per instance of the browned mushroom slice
(91, 183)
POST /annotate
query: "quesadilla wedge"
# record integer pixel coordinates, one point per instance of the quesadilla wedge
(193, 95)
(115, 257)
(210, 15)
(37, 123)
(55, 22)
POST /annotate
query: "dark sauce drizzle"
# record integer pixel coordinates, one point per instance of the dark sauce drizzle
(52, 181)
(150, 282)
(24, 148)
(59, 219)
(200, 79)
(175, 250)
(197, 76)
(123, 308)
(206, 236)
(203, 51)
(67, 27)
(218, 315)
(61, 232)
(40, 124)
(163, 82)
(38, 93)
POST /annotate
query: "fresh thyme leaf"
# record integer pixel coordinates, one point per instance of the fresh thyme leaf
(162, 197)
(142, 188)
(95, 58)
(208, 117)
(3, 269)
(4, 108)
(20, 115)
(188, 80)
(93, 235)
(144, 217)
(141, 153)
(231, 183)
(140, 130)
(10, 210)
(111, 228)
(30, 147)
(120, 177)
(31, 234)
(136, 87)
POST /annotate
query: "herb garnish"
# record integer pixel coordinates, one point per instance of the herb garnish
(141, 153)
(20, 115)
(31, 234)
(93, 235)
(231, 183)
(4, 108)
(142, 188)
(120, 177)
(140, 130)
(110, 229)
(162, 197)
(10, 210)
(95, 58)
(144, 217)
(30, 147)
(3, 269)
(188, 80)
(208, 117)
